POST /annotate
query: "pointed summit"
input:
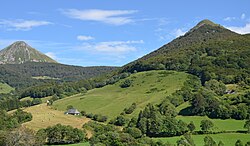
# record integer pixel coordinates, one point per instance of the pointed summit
(20, 52)
(205, 22)
(19, 45)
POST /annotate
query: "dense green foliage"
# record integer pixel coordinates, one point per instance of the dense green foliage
(209, 100)
(60, 134)
(9, 121)
(126, 83)
(186, 140)
(95, 117)
(155, 124)
(19, 137)
(50, 89)
(247, 125)
(206, 102)
(110, 135)
(206, 125)
(130, 109)
(9, 102)
(238, 143)
(57, 134)
(191, 126)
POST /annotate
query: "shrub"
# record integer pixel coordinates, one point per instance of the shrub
(90, 115)
(99, 118)
(135, 132)
(36, 101)
(191, 126)
(206, 125)
(120, 121)
(126, 83)
(22, 116)
(130, 109)
(83, 113)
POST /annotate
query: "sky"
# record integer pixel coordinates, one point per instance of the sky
(111, 32)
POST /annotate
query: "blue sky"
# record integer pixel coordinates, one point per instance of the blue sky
(110, 32)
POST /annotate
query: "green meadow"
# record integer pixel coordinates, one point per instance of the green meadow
(5, 88)
(228, 139)
(76, 144)
(147, 87)
(219, 124)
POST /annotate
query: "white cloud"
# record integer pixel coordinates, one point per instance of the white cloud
(111, 47)
(243, 16)
(241, 30)
(229, 18)
(20, 24)
(84, 38)
(179, 32)
(51, 55)
(114, 17)
(163, 21)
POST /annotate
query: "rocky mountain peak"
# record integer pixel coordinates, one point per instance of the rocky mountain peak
(20, 52)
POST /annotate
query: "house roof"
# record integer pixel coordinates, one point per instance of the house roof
(73, 111)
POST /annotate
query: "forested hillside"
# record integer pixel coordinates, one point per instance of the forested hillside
(209, 51)
(30, 73)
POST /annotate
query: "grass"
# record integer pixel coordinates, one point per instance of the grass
(44, 116)
(219, 124)
(228, 139)
(45, 78)
(77, 144)
(5, 88)
(44, 100)
(147, 87)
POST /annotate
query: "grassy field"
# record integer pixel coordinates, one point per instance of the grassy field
(5, 88)
(77, 144)
(44, 100)
(228, 139)
(45, 78)
(44, 116)
(147, 87)
(219, 125)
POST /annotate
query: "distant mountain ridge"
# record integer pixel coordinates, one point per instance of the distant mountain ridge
(22, 75)
(20, 52)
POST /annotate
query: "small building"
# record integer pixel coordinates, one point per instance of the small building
(73, 111)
